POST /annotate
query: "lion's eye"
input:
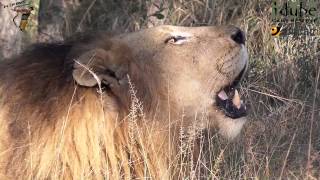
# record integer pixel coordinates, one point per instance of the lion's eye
(176, 40)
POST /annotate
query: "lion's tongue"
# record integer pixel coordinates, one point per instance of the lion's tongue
(236, 100)
(223, 95)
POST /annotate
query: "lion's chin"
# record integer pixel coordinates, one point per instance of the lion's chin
(230, 128)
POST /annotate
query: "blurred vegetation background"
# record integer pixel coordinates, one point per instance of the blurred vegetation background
(282, 138)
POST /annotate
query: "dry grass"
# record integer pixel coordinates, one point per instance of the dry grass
(282, 138)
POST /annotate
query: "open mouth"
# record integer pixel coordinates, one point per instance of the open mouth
(229, 101)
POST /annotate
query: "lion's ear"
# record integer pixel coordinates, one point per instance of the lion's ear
(99, 66)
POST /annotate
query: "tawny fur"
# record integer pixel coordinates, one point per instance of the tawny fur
(53, 128)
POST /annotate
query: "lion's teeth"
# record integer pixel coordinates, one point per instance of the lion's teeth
(236, 99)
(223, 95)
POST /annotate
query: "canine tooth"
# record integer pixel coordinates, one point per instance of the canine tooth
(223, 95)
(236, 99)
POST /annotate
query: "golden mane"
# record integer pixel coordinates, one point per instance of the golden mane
(53, 128)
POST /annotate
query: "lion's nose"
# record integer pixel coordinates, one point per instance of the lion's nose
(238, 36)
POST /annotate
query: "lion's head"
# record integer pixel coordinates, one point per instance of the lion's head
(186, 71)
(113, 107)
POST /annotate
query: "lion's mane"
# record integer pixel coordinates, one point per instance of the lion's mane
(52, 128)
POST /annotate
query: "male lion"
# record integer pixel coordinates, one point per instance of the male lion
(117, 107)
